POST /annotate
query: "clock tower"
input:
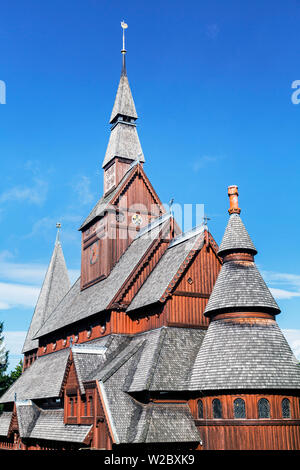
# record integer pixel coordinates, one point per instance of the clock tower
(129, 201)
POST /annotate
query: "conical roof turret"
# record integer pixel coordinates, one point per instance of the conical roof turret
(244, 348)
(55, 286)
(239, 285)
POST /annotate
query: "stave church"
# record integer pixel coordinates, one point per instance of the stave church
(166, 341)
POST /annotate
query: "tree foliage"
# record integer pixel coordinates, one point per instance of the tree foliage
(6, 380)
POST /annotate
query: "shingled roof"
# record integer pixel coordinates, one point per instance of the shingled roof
(124, 104)
(132, 421)
(79, 304)
(43, 379)
(56, 284)
(245, 356)
(124, 142)
(166, 269)
(236, 237)
(240, 285)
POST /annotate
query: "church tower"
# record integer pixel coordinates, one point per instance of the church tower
(129, 201)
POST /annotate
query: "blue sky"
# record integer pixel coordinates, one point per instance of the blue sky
(212, 83)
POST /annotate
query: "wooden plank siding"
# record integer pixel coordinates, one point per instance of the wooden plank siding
(252, 432)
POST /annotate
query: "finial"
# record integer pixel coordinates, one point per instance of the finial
(58, 226)
(205, 219)
(123, 51)
(233, 200)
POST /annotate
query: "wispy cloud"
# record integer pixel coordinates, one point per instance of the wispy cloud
(293, 338)
(34, 194)
(82, 188)
(18, 295)
(20, 283)
(282, 285)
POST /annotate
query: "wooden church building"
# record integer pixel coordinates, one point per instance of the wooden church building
(166, 341)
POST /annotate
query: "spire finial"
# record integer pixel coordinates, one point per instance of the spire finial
(58, 226)
(123, 51)
(233, 199)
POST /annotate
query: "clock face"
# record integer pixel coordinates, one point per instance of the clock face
(94, 252)
(137, 219)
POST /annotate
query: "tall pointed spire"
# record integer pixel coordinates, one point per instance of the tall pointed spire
(56, 284)
(124, 141)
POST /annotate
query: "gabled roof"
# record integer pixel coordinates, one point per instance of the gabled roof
(124, 104)
(245, 356)
(27, 414)
(56, 284)
(236, 237)
(166, 359)
(168, 269)
(50, 426)
(79, 304)
(43, 379)
(132, 421)
(105, 201)
(5, 419)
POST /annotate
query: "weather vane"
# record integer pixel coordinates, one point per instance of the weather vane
(124, 26)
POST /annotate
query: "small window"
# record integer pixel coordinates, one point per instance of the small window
(217, 408)
(200, 409)
(239, 408)
(263, 408)
(286, 408)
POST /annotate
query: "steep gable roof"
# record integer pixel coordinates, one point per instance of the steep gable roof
(43, 379)
(79, 304)
(168, 269)
(56, 284)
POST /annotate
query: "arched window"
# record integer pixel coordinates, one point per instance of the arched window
(286, 408)
(217, 408)
(263, 408)
(200, 409)
(239, 408)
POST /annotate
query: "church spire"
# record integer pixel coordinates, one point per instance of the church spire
(124, 141)
(55, 286)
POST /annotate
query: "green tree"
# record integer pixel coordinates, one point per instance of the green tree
(4, 378)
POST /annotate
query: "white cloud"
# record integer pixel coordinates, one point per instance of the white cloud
(14, 295)
(20, 272)
(283, 294)
(14, 340)
(293, 338)
(282, 285)
(34, 194)
(82, 188)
